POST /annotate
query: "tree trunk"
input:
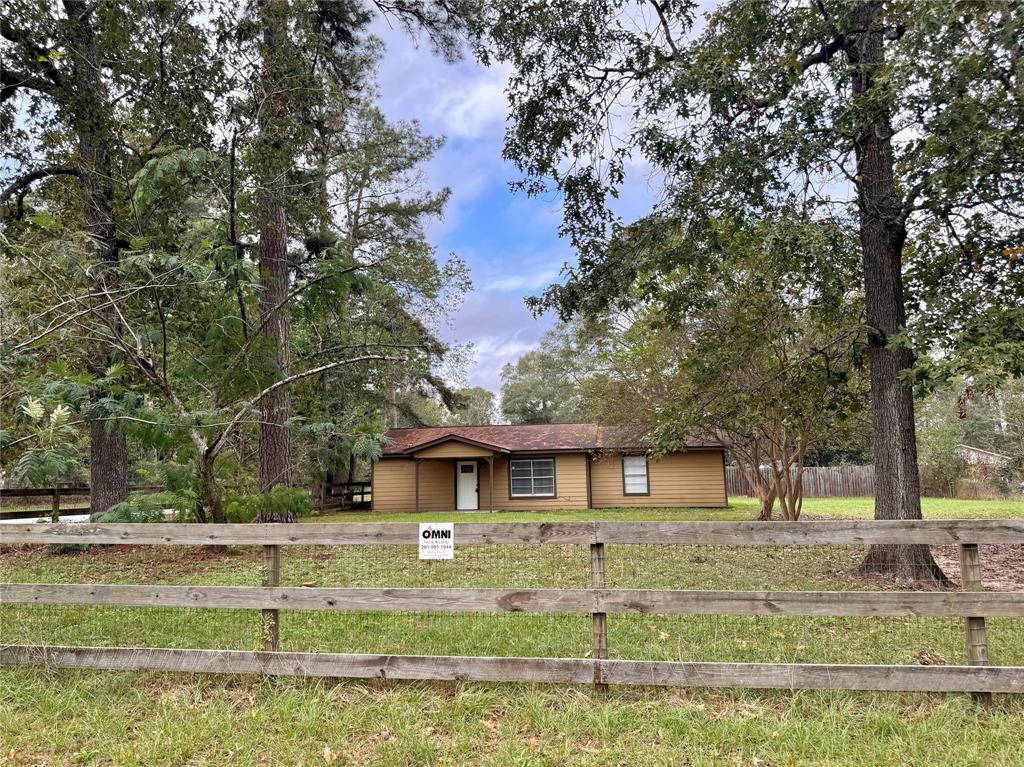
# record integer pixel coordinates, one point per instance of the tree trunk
(211, 499)
(211, 491)
(108, 465)
(90, 113)
(275, 447)
(882, 235)
(763, 489)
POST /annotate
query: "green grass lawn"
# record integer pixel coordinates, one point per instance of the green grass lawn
(60, 717)
(739, 509)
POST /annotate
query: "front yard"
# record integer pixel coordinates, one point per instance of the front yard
(62, 717)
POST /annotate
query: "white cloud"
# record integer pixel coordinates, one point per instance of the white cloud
(501, 329)
(510, 242)
(492, 353)
(521, 282)
(474, 106)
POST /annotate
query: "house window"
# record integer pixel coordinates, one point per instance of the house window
(533, 478)
(634, 475)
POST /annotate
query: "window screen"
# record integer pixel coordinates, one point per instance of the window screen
(532, 478)
(467, 468)
(634, 475)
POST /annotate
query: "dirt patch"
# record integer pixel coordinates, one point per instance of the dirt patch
(1002, 566)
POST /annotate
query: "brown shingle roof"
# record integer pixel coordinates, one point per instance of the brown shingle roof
(534, 437)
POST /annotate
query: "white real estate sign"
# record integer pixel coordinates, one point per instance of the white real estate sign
(437, 540)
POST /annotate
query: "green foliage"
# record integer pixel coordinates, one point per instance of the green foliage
(51, 455)
(282, 503)
(179, 362)
(141, 509)
(369, 447)
(752, 111)
(162, 171)
(943, 464)
(987, 419)
(472, 406)
(545, 385)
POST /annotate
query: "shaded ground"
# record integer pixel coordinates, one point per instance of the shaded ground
(1002, 567)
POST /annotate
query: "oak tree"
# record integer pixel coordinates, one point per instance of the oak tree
(908, 115)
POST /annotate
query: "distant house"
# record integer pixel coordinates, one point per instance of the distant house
(976, 456)
(525, 468)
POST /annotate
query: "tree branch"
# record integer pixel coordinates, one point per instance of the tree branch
(821, 56)
(42, 75)
(21, 184)
(219, 442)
(665, 28)
(11, 80)
(254, 335)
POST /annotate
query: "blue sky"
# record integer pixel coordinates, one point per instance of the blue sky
(510, 241)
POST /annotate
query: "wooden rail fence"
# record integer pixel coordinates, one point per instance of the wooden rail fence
(346, 495)
(55, 494)
(971, 604)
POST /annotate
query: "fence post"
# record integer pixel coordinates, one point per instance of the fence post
(600, 620)
(974, 627)
(55, 509)
(270, 620)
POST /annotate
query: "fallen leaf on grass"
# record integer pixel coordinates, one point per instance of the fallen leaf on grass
(930, 658)
(661, 634)
(329, 755)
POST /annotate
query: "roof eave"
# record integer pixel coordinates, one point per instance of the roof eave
(455, 438)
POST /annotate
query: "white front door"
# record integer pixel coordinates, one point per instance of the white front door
(467, 496)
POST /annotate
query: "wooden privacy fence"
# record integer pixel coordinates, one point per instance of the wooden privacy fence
(819, 481)
(970, 604)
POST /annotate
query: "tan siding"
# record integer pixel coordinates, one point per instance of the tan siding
(694, 478)
(570, 485)
(454, 449)
(394, 485)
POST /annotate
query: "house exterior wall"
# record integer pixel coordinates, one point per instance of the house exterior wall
(454, 449)
(394, 485)
(693, 478)
(570, 484)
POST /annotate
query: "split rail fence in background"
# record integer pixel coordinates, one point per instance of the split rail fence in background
(970, 604)
(13, 503)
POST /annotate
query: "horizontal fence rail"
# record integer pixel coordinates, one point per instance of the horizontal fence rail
(786, 676)
(971, 604)
(17, 510)
(933, 532)
(1006, 604)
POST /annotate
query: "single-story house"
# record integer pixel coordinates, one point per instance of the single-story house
(548, 466)
(976, 456)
